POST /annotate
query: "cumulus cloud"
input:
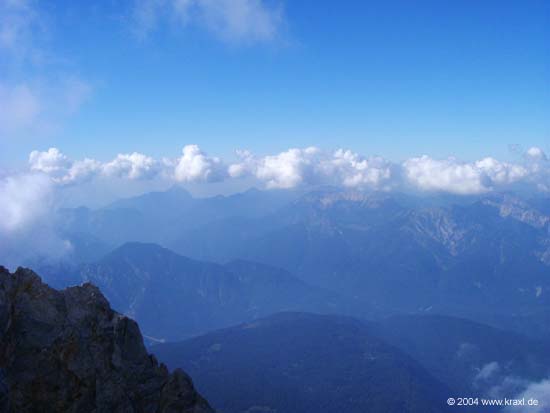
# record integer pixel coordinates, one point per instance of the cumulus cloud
(192, 166)
(356, 171)
(63, 170)
(451, 175)
(536, 154)
(306, 167)
(132, 166)
(311, 166)
(81, 171)
(60, 168)
(539, 168)
(196, 166)
(287, 169)
(235, 21)
(51, 161)
(500, 173)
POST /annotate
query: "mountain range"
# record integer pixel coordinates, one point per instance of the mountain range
(328, 299)
(173, 297)
(481, 257)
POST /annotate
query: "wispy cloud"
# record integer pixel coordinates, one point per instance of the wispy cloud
(20, 107)
(21, 30)
(40, 105)
(233, 21)
(36, 92)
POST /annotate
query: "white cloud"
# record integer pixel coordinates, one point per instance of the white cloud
(244, 167)
(132, 166)
(81, 171)
(196, 166)
(536, 154)
(451, 175)
(304, 167)
(538, 165)
(50, 162)
(287, 169)
(311, 166)
(66, 171)
(25, 198)
(26, 226)
(356, 171)
(235, 21)
(60, 168)
(500, 172)
(193, 166)
(538, 391)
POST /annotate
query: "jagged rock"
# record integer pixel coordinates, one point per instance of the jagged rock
(68, 351)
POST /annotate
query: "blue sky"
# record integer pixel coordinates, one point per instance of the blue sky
(391, 78)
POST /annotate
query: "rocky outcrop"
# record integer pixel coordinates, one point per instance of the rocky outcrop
(68, 351)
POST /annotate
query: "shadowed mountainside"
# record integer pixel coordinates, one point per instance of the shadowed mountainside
(67, 351)
(174, 297)
(305, 363)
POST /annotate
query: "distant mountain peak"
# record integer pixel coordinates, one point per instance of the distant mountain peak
(142, 252)
(178, 189)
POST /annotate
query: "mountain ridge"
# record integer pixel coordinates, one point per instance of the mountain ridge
(155, 286)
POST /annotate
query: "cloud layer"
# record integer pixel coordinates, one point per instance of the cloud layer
(310, 166)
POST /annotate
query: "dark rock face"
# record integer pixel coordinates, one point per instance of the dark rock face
(68, 351)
